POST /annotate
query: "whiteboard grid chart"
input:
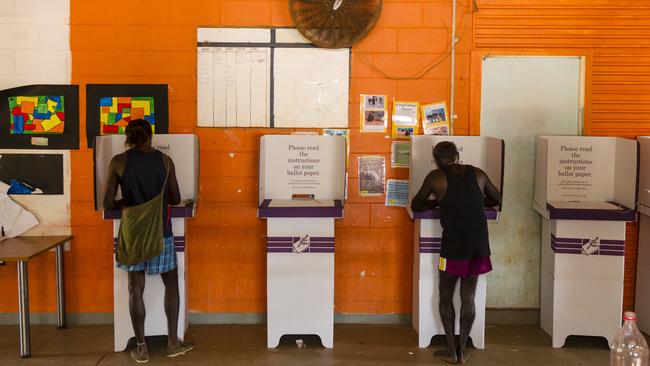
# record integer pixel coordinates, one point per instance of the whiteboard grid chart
(243, 82)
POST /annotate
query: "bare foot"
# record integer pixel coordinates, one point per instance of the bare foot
(463, 356)
(140, 354)
(179, 348)
(446, 355)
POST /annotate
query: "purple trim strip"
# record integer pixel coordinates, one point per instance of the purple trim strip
(626, 214)
(566, 240)
(574, 246)
(434, 214)
(289, 238)
(430, 240)
(175, 212)
(265, 211)
(284, 244)
(430, 245)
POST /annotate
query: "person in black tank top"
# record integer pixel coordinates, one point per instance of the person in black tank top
(462, 192)
(143, 173)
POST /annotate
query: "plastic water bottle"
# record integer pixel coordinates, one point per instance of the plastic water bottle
(629, 347)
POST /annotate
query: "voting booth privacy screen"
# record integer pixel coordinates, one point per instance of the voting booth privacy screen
(183, 149)
(486, 153)
(585, 169)
(302, 164)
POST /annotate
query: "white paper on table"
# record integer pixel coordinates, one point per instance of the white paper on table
(14, 219)
(585, 205)
(301, 203)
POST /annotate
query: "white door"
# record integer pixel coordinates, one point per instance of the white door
(522, 97)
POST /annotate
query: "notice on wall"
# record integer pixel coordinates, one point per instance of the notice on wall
(372, 173)
(397, 192)
(575, 170)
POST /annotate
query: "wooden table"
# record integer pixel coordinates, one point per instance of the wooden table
(21, 250)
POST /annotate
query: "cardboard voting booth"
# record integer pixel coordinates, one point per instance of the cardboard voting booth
(585, 191)
(301, 192)
(486, 153)
(184, 151)
(642, 298)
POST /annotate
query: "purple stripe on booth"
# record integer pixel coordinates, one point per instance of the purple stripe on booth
(565, 240)
(612, 247)
(575, 248)
(618, 242)
(619, 253)
(321, 250)
(284, 244)
(567, 251)
(335, 212)
(625, 214)
(430, 251)
(430, 240)
(430, 245)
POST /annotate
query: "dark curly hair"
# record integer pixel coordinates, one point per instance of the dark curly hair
(445, 153)
(138, 133)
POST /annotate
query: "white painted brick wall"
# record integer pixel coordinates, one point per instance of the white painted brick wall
(34, 42)
(35, 49)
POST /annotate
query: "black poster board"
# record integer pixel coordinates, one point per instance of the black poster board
(94, 93)
(67, 140)
(44, 171)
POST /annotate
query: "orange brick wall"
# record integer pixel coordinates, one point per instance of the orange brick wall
(146, 41)
(614, 37)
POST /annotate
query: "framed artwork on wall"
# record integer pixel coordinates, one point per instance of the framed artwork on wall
(39, 117)
(110, 108)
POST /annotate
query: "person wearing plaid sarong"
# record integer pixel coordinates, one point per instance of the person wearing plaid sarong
(144, 174)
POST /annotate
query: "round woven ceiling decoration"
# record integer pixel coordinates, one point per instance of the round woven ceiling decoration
(334, 23)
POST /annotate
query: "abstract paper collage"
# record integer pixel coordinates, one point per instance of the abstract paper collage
(37, 114)
(116, 113)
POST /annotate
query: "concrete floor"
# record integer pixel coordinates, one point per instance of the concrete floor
(353, 345)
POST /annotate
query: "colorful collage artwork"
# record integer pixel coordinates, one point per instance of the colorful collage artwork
(36, 114)
(116, 113)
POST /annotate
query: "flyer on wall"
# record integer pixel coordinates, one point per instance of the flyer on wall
(400, 154)
(435, 120)
(397, 192)
(405, 119)
(374, 113)
(372, 173)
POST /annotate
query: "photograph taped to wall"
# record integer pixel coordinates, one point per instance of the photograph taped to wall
(400, 154)
(40, 117)
(374, 115)
(374, 102)
(437, 129)
(372, 173)
(434, 116)
(110, 107)
(116, 113)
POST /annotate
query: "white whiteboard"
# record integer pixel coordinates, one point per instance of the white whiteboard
(259, 77)
(311, 87)
(233, 86)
